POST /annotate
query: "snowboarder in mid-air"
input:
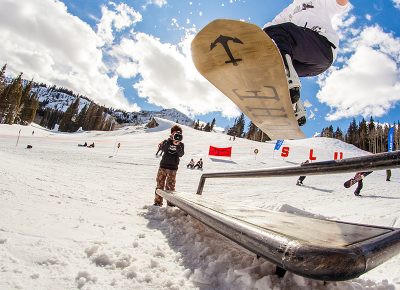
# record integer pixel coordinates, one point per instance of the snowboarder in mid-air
(173, 149)
(308, 43)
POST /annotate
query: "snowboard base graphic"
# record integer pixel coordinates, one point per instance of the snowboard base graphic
(244, 64)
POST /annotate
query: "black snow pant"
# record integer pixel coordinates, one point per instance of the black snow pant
(359, 187)
(311, 53)
(301, 179)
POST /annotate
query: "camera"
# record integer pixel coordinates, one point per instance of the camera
(177, 136)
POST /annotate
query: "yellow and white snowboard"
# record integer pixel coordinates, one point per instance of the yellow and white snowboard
(244, 63)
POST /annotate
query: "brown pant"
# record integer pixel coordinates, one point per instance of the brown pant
(166, 179)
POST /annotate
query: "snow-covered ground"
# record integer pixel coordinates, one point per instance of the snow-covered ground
(79, 218)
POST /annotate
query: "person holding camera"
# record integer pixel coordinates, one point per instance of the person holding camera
(173, 149)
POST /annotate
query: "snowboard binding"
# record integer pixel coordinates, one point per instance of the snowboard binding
(300, 113)
(293, 79)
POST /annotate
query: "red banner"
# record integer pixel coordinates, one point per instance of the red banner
(214, 151)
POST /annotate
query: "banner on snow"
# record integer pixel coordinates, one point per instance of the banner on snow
(278, 144)
(390, 139)
(215, 151)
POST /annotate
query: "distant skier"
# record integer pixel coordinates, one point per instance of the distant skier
(190, 164)
(173, 149)
(388, 174)
(301, 178)
(199, 164)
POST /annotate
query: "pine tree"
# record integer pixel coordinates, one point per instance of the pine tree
(372, 136)
(2, 79)
(45, 119)
(87, 124)
(212, 124)
(338, 134)
(240, 126)
(363, 134)
(207, 127)
(25, 106)
(55, 118)
(80, 120)
(232, 130)
(29, 109)
(99, 119)
(67, 123)
(11, 97)
(352, 132)
(252, 131)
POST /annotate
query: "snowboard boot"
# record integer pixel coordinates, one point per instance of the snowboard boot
(300, 113)
(293, 80)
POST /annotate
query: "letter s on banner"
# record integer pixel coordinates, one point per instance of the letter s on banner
(285, 151)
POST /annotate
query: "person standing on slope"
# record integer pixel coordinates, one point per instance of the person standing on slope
(308, 43)
(173, 149)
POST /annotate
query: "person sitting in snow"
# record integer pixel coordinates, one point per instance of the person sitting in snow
(173, 150)
(91, 145)
(191, 164)
(199, 164)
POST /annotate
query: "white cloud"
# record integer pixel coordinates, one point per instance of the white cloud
(121, 17)
(57, 48)
(396, 3)
(369, 83)
(159, 3)
(168, 77)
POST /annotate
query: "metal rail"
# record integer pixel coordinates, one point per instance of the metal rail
(364, 163)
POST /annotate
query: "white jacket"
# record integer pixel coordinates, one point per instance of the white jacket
(314, 14)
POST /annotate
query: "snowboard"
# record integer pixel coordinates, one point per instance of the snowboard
(356, 178)
(241, 61)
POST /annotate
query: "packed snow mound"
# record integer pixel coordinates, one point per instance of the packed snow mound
(84, 220)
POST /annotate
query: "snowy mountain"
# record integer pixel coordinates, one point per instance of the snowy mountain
(83, 218)
(58, 100)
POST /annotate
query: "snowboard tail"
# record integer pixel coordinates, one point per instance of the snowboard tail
(359, 176)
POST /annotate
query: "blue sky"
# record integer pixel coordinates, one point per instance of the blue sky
(136, 55)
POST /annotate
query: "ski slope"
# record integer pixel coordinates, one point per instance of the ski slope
(80, 218)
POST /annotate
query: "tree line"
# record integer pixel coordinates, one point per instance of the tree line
(253, 132)
(369, 136)
(208, 127)
(19, 104)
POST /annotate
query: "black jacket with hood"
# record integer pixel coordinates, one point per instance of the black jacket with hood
(172, 153)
